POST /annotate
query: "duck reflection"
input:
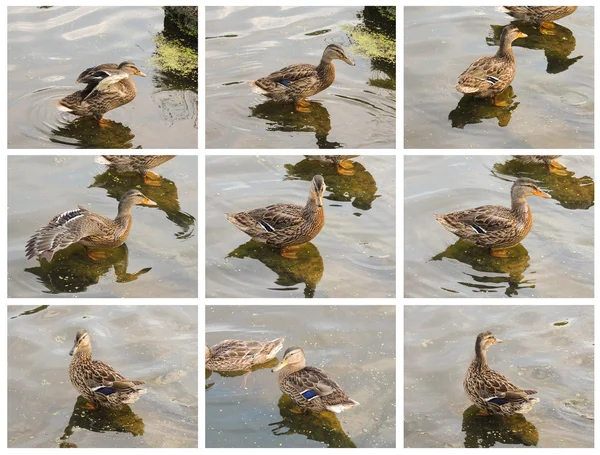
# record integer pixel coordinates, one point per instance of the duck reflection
(283, 117)
(85, 133)
(556, 46)
(324, 427)
(471, 110)
(571, 192)
(487, 431)
(72, 270)
(232, 374)
(164, 194)
(101, 420)
(306, 267)
(506, 273)
(355, 184)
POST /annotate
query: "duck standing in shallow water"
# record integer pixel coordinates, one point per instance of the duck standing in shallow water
(240, 355)
(542, 16)
(491, 391)
(294, 83)
(494, 226)
(488, 76)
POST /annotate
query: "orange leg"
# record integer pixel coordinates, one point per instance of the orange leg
(483, 412)
(290, 252)
(547, 28)
(303, 106)
(499, 252)
(97, 255)
(345, 168)
(91, 406)
(152, 179)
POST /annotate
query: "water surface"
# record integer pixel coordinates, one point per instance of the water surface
(546, 348)
(43, 407)
(550, 103)
(354, 344)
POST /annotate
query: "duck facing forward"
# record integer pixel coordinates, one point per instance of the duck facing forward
(97, 381)
(494, 226)
(491, 391)
(294, 83)
(85, 228)
(108, 86)
(310, 388)
(490, 75)
(285, 225)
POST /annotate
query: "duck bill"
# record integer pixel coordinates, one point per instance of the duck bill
(522, 35)
(149, 202)
(73, 351)
(348, 61)
(498, 341)
(542, 194)
(139, 73)
(279, 367)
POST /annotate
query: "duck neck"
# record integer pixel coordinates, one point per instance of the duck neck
(291, 368)
(480, 360)
(326, 71)
(124, 214)
(520, 208)
(83, 354)
(505, 50)
(311, 207)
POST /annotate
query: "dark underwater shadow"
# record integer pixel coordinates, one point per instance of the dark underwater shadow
(487, 431)
(86, 133)
(471, 110)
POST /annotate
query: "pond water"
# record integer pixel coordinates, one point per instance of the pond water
(43, 408)
(556, 259)
(353, 256)
(160, 256)
(546, 348)
(48, 47)
(550, 103)
(356, 345)
(246, 43)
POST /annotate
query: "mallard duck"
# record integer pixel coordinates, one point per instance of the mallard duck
(549, 160)
(85, 228)
(97, 381)
(491, 391)
(285, 225)
(238, 355)
(543, 16)
(309, 387)
(294, 83)
(488, 76)
(139, 164)
(342, 163)
(493, 226)
(108, 87)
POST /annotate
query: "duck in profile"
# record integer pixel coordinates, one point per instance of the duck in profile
(548, 160)
(285, 226)
(310, 388)
(488, 76)
(108, 86)
(491, 391)
(97, 381)
(240, 355)
(85, 228)
(493, 226)
(136, 164)
(542, 16)
(294, 83)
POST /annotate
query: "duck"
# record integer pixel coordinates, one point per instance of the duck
(108, 86)
(97, 381)
(85, 228)
(493, 226)
(491, 391)
(294, 83)
(285, 226)
(543, 16)
(240, 355)
(310, 388)
(488, 76)
(548, 160)
(342, 162)
(138, 164)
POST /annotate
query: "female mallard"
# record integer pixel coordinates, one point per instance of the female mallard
(85, 228)
(97, 381)
(543, 16)
(549, 160)
(285, 225)
(108, 87)
(493, 226)
(295, 82)
(342, 163)
(238, 355)
(488, 76)
(139, 164)
(309, 387)
(491, 391)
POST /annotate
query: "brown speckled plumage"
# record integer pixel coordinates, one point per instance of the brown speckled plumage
(539, 14)
(239, 355)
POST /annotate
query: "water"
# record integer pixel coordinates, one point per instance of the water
(551, 103)
(49, 47)
(353, 344)
(160, 256)
(556, 259)
(155, 344)
(556, 360)
(247, 43)
(356, 243)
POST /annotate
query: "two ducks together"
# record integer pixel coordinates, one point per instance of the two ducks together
(488, 76)
(310, 388)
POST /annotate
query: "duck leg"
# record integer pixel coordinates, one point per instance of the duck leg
(303, 106)
(152, 179)
(547, 28)
(345, 167)
(290, 252)
(483, 412)
(91, 406)
(97, 254)
(103, 122)
(499, 252)
(556, 168)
